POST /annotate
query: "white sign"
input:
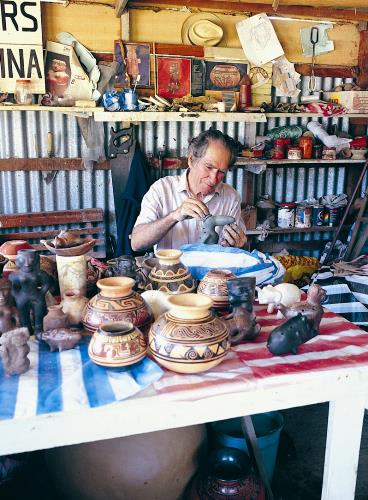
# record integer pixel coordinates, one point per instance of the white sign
(21, 55)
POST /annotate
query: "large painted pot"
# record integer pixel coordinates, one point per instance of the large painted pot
(116, 301)
(214, 285)
(189, 338)
(117, 344)
(169, 275)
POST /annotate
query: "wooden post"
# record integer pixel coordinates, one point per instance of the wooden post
(362, 79)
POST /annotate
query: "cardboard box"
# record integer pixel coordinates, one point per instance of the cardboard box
(249, 216)
(355, 101)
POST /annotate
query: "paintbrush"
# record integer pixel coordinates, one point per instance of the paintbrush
(136, 81)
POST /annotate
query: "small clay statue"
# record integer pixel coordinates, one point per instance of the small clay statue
(61, 339)
(124, 265)
(310, 308)
(67, 239)
(9, 316)
(242, 322)
(29, 286)
(14, 350)
(286, 337)
(208, 235)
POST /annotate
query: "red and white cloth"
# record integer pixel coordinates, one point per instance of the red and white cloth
(339, 344)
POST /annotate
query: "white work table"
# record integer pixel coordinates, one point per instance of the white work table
(332, 367)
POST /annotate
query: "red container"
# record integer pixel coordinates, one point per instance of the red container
(279, 149)
(306, 144)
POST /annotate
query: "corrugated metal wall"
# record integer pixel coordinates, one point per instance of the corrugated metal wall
(24, 135)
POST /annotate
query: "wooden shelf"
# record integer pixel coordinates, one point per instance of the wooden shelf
(168, 116)
(281, 230)
(244, 161)
(68, 110)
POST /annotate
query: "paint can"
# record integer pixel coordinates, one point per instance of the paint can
(303, 216)
(286, 215)
(318, 212)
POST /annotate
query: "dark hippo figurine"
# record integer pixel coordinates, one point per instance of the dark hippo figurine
(286, 337)
(310, 308)
(208, 235)
(61, 339)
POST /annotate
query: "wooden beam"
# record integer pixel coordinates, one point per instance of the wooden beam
(326, 71)
(46, 164)
(120, 7)
(255, 8)
(362, 79)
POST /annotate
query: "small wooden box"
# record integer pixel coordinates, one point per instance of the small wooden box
(249, 216)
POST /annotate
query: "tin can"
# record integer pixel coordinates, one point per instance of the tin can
(318, 212)
(328, 153)
(333, 216)
(294, 153)
(317, 151)
(286, 215)
(279, 149)
(303, 216)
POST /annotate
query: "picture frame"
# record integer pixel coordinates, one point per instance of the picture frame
(224, 76)
(173, 76)
(134, 60)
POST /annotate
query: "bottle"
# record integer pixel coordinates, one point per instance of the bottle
(245, 97)
(22, 92)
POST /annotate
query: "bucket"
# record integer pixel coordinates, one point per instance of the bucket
(267, 427)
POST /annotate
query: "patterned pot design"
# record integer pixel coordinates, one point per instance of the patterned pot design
(116, 301)
(188, 338)
(117, 344)
(169, 275)
(214, 285)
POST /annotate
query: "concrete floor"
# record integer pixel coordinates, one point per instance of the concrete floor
(298, 472)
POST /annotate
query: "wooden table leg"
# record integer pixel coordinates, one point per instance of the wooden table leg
(345, 421)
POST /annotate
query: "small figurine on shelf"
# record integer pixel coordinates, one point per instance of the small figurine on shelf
(9, 316)
(288, 336)
(29, 286)
(14, 349)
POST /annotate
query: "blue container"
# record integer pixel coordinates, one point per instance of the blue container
(267, 426)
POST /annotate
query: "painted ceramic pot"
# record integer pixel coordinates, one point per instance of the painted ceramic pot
(73, 305)
(9, 250)
(227, 476)
(55, 318)
(72, 273)
(169, 275)
(116, 301)
(214, 285)
(189, 338)
(117, 344)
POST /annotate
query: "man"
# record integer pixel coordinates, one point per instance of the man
(174, 206)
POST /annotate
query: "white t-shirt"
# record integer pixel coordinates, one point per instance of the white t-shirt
(168, 193)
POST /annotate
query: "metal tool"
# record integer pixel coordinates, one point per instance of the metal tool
(120, 141)
(49, 176)
(314, 38)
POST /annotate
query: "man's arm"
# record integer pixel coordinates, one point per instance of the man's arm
(148, 234)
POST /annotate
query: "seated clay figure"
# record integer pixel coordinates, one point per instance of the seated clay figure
(9, 316)
(310, 308)
(29, 286)
(14, 350)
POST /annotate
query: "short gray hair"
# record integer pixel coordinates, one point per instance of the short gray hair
(198, 145)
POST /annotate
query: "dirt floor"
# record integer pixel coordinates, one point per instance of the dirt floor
(298, 472)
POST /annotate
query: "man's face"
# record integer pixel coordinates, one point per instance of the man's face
(209, 171)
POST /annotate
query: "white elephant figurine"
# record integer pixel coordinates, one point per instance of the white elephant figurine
(284, 293)
(157, 301)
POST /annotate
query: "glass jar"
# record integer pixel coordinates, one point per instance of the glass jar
(306, 144)
(294, 153)
(22, 92)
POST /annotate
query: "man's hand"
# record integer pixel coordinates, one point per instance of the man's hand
(191, 208)
(233, 236)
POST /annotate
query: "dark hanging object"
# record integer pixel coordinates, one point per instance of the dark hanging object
(242, 322)
(208, 234)
(288, 336)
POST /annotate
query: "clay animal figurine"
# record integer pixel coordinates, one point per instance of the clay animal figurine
(9, 316)
(66, 239)
(14, 350)
(29, 286)
(284, 293)
(208, 235)
(242, 322)
(310, 308)
(61, 339)
(288, 336)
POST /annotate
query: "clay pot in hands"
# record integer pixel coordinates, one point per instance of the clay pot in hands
(55, 318)
(189, 338)
(116, 301)
(214, 285)
(117, 344)
(73, 305)
(169, 275)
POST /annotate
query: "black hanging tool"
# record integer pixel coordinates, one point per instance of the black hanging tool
(120, 141)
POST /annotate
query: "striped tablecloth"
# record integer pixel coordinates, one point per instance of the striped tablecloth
(69, 381)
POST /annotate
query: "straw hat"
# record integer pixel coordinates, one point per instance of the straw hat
(203, 29)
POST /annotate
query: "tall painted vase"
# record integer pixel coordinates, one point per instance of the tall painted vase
(72, 272)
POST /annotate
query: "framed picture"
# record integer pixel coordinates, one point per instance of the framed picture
(173, 77)
(134, 60)
(224, 76)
